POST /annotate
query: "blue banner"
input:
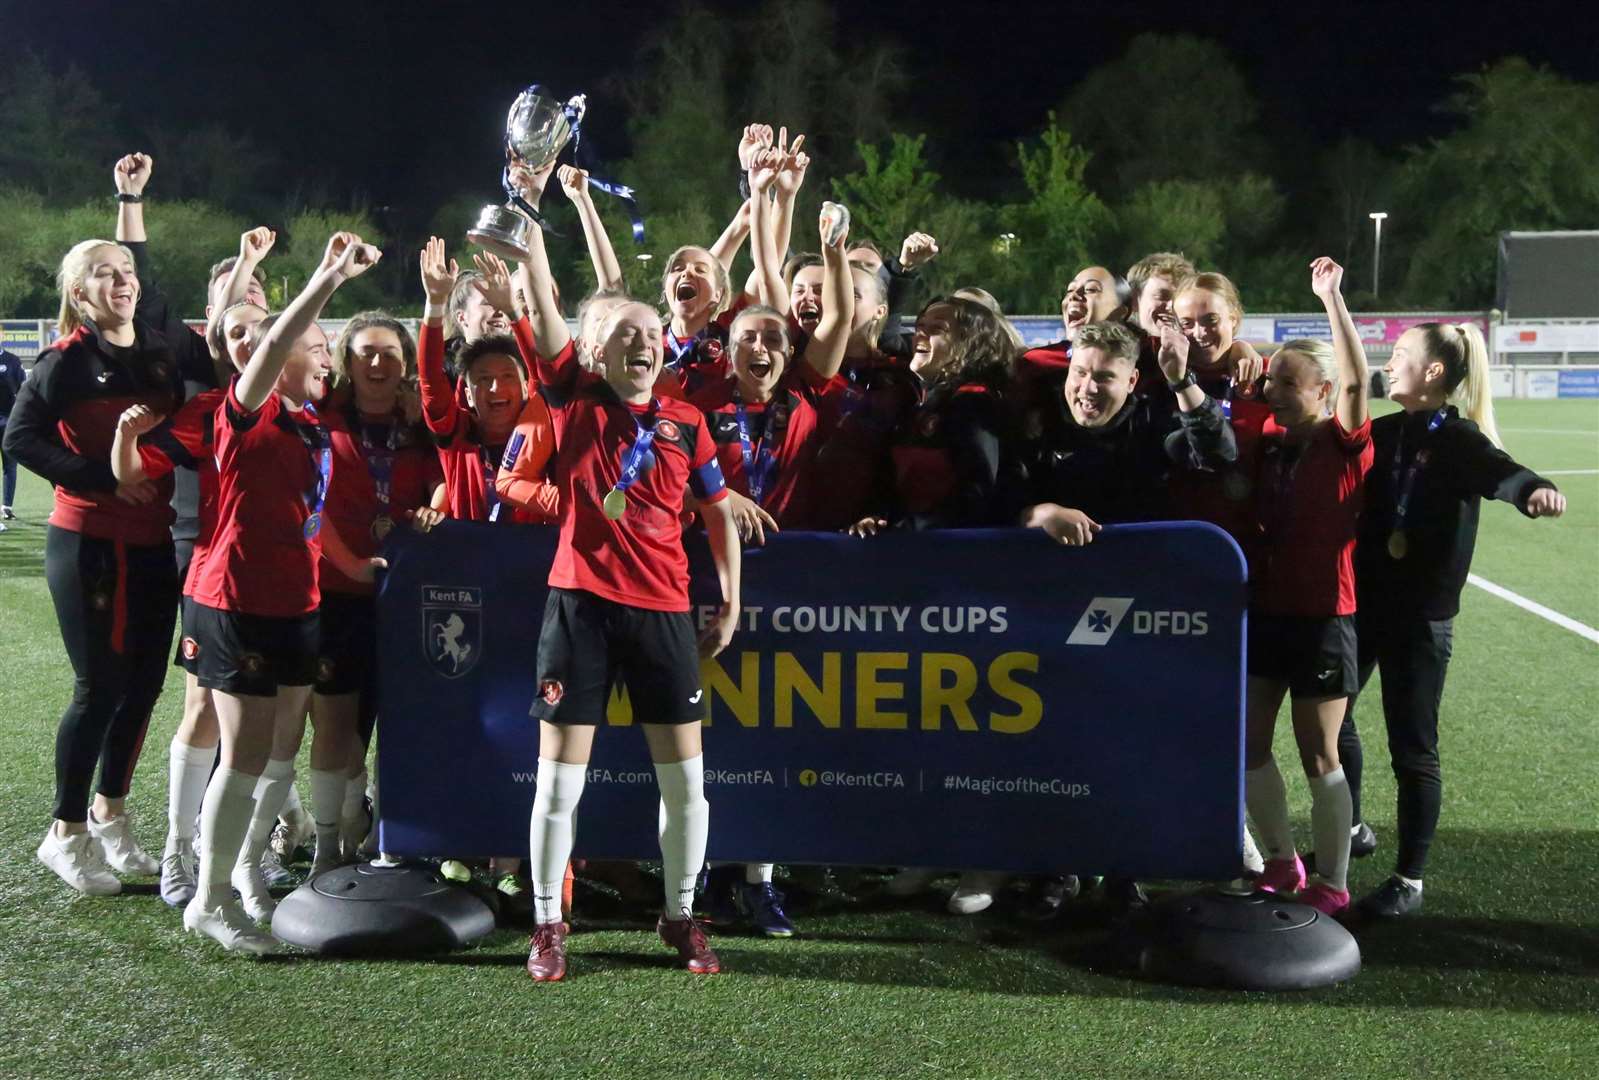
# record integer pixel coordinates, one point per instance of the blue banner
(1578, 384)
(964, 699)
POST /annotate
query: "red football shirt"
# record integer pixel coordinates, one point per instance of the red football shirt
(261, 562)
(788, 428)
(637, 560)
(370, 461)
(187, 439)
(1307, 503)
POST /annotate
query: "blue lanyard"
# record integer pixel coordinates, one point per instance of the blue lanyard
(759, 461)
(322, 457)
(1226, 398)
(639, 457)
(490, 496)
(380, 460)
(1405, 479)
(680, 351)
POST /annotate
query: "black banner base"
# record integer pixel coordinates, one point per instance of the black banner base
(372, 910)
(1245, 941)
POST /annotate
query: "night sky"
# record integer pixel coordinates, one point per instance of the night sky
(405, 100)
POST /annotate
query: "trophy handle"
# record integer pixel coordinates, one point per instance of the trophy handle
(516, 200)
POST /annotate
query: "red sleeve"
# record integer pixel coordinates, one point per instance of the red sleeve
(242, 419)
(440, 410)
(1352, 442)
(670, 385)
(560, 372)
(522, 330)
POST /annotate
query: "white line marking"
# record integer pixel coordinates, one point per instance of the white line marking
(1562, 621)
(1550, 431)
(1567, 472)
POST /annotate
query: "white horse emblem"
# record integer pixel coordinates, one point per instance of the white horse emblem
(448, 645)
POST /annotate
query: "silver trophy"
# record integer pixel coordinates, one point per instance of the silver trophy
(536, 131)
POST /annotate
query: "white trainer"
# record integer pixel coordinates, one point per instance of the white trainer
(122, 851)
(78, 860)
(911, 881)
(254, 895)
(178, 868)
(229, 926)
(975, 892)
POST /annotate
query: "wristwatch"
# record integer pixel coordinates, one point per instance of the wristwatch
(1183, 383)
(128, 196)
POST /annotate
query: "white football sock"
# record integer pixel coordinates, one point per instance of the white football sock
(1330, 812)
(757, 873)
(1267, 799)
(224, 821)
(1413, 882)
(551, 831)
(1253, 862)
(328, 796)
(276, 781)
(685, 820)
(188, 773)
(292, 810)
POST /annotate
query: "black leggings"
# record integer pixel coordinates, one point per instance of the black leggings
(1414, 657)
(116, 604)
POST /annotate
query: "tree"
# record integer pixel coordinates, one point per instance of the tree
(1525, 157)
(1057, 229)
(299, 249)
(892, 193)
(55, 131)
(1172, 107)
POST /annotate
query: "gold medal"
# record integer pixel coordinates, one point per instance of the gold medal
(615, 504)
(382, 525)
(1398, 544)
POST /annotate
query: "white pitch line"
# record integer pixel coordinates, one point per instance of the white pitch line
(1562, 621)
(1567, 472)
(1550, 431)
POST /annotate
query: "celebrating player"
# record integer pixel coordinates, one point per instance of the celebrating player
(1314, 456)
(1434, 463)
(618, 605)
(109, 558)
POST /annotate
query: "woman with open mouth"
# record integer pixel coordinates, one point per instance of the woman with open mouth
(952, 460)
(384, 471)
(768, 423)
(1312, 461)
(109, 557)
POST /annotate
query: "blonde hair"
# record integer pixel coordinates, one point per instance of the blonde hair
(1222, 286)
(74, 268)
(1168, 264)
(1464, 354)
(724, 286)
(873, 328)
(1319, 353)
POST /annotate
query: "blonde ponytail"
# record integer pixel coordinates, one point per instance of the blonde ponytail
(1474, 394)
(74, 268)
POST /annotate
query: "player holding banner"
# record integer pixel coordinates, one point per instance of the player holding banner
(618, 603)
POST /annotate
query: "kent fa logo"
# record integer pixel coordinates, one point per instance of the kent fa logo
(1100, 620)
(452, 628)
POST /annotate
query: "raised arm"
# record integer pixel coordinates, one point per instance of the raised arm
(789, 181)
(253, 247)
(346, 257)
(440, 411)
(549, 325)
(132, 172)
(766, 280)
(825, 350)
(725, 250)
(1354, 383)
(575, 186)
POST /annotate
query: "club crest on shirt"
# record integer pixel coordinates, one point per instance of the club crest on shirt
(191, 649)
(452, 628)
(927, 426)
(551, 691)
(666, 429)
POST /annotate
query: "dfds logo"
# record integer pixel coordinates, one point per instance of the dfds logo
(1105, 613)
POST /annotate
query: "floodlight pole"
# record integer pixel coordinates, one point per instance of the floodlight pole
(1376, 251)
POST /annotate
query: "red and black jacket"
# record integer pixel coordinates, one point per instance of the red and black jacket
(65, 418)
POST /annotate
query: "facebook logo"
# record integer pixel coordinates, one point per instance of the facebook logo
(1099, 620)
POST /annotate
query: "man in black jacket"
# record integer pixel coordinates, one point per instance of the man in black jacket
(11, 376)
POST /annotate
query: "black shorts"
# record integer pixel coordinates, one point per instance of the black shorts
(348, 648)
(252, 654)
(587, 642)
(1315, 655)
(188, 650)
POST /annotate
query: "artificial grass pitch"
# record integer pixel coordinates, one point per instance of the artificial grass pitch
(1498, 977)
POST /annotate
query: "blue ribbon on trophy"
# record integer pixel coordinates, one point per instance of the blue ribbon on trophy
(620, 191)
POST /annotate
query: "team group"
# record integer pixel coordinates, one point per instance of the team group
(249, 476)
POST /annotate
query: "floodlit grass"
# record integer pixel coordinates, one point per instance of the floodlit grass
(1499, 977)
